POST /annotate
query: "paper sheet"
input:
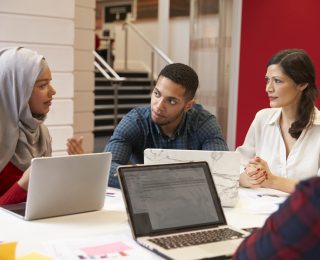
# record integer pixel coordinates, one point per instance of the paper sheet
(33, 256)
(262, 201)
(100, 247)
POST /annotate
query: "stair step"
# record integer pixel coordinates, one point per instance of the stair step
(134, 91)
(126, 83)
(103, 128)
(123, 88)
(133, 74)
(104, 133)
(98, 107)
(121, 92)
(104, 117)
(103, 79)
(122, 97)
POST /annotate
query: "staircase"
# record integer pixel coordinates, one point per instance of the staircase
(109, 110)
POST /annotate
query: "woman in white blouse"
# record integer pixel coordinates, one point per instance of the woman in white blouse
(282, 145)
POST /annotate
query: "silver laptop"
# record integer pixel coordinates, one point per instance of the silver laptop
(64, 185)
(224, 166)
(174, 210)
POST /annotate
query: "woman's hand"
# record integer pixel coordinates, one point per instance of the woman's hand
(264, 168)
(23, 182)
(255, 174)
(74, 145)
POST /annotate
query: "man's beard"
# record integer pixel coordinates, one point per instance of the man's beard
(167, 122)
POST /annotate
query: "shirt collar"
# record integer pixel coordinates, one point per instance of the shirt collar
(276, 117)
(157, 127)
(316, 120)
(181, 125)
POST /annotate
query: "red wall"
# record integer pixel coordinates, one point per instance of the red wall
(267, 27)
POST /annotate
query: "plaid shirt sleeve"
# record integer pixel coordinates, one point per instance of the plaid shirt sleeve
(293, 232)
(211, 136)
(126, 134)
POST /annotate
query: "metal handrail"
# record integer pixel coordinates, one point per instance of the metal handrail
(108, 68)
(147, 41)
(116, 82)
(154, 48)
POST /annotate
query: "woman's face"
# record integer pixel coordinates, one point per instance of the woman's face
(42, 93)
(281, 89)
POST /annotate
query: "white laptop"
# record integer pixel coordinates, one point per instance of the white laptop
(64, 185)
(224, 166)
(174, 210)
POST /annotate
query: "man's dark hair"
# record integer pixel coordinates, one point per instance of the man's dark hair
(183, 75)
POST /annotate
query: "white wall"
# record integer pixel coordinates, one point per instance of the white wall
(49, 28)
(179, 45)
(204, 59)
(139, 55)
(179, 39)
(83, 71)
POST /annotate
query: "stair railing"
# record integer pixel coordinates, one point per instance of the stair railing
(105, 69)
(153, 47)
(99, 63)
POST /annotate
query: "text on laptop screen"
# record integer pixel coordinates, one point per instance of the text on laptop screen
(157, 197)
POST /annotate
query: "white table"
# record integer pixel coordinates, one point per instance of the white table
(111, 220)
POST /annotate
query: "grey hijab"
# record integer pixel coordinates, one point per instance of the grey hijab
(22, 136)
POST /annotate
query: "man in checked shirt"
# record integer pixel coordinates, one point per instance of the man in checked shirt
(172, 121)
(292, 232)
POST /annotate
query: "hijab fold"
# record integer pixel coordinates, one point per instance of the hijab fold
(22, 136)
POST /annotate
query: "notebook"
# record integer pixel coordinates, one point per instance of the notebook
(64, 185)
(174, 210)
(224, 166)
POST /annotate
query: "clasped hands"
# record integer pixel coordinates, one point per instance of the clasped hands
(256, 174)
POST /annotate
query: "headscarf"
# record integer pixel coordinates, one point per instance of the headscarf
(22, 136)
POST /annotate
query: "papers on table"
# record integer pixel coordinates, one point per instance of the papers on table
(33, 256)
(100, 247)
(262, 201)
(8, 252)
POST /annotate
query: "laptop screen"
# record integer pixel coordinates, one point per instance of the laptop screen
(166, 197)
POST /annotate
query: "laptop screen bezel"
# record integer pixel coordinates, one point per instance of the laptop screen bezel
(122, 170)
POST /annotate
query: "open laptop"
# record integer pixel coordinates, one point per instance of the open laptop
(174, 210)
(224, 166)
(64, 185)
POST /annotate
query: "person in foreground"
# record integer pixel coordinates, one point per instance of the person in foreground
(292, 232)
(25, 98)
(172, 121)
(282, 145)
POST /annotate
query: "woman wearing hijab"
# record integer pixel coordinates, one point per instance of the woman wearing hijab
(25, 99)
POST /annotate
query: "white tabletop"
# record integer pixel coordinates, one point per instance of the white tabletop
(112, 219)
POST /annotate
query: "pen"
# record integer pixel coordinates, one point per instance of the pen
(268, 195)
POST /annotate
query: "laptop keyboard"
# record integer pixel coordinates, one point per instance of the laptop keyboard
(196, 238)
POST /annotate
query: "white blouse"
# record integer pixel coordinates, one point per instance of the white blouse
(264, 139)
